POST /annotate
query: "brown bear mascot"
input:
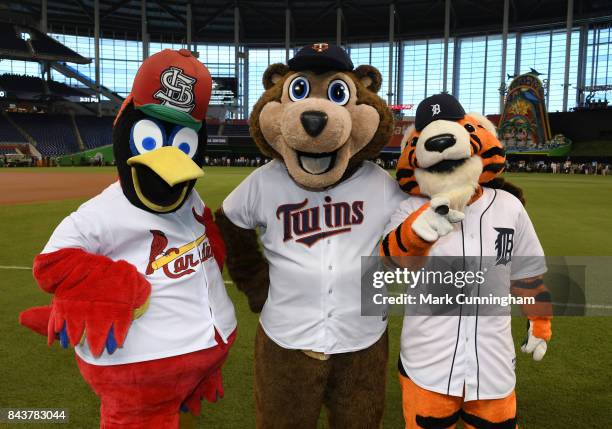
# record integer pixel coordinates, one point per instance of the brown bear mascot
(319, 206)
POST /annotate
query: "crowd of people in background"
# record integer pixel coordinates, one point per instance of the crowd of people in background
(235, 161)
(521, 165)
(559, 167)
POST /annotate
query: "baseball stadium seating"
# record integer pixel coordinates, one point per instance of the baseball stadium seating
(54, 133)
(8, 133)
(95, 132)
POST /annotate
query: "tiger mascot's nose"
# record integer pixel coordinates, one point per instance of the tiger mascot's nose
(313, 122)
(440, 142)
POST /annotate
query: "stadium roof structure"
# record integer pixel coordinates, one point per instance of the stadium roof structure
(23, 42)
(263, 21)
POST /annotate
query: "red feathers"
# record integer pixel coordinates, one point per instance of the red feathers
(92, 294)
(214, 235)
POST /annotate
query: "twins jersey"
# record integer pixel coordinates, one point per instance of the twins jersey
(188, 298)
(470, 356)
(314, 242)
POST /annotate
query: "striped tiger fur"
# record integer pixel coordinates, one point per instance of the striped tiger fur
(483, 143)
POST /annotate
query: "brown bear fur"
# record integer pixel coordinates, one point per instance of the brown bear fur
(291, 386)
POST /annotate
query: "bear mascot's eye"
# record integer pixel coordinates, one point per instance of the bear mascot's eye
(146, 135)
(299, 88)
(185, 139)
(338, 92)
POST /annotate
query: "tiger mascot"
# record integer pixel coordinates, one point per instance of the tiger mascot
(462, 368)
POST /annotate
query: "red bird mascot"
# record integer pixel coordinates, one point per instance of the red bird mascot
(136, 288)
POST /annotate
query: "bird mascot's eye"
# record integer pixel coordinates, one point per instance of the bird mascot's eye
(299, 88)
(146, 136)
(338, 92)
(185, 139)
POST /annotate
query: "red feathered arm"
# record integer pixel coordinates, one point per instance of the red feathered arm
(94, 295)
(214, 236)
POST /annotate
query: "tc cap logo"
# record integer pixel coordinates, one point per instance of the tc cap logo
(435, 109)
(177, 91)
(320, 47)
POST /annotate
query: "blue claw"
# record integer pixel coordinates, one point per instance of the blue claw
(111, 342)
(63, 336)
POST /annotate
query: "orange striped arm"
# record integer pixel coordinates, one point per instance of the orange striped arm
(403, 241)
(539, 313)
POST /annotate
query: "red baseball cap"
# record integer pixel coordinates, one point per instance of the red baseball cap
(172, 86)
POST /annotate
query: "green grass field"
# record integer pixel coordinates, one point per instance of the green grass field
(570, 388)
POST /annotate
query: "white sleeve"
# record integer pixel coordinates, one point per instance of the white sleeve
(243, 205)
(527, 254)
(394, 195)
(81, 230)
(402, 211)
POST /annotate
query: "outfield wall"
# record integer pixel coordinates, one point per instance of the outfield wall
(84, 158)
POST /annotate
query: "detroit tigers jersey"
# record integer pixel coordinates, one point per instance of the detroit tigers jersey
(471, 356)
(188, 297)
(313, 242)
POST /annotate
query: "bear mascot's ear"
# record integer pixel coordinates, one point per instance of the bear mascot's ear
(273, 74)
(369, 76)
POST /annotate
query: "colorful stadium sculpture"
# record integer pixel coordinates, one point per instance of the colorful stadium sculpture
(524, 127)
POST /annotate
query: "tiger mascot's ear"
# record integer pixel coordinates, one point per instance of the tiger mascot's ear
(498, 182)
(405, 138)
(274, 74)
(485, 122)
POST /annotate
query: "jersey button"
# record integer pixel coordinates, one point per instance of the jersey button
(329, 314)
(330, 268)
(329, 291)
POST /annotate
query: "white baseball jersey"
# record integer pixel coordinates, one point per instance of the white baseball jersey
(313, 242)
(188, 297)
(447, 354)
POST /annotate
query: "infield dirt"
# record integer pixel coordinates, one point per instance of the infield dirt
(40, 186)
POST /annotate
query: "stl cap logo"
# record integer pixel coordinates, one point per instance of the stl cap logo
(320, 47)
(177, 90)
(435, 109)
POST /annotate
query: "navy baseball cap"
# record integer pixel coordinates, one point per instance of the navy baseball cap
(321, 57)
(439, 106)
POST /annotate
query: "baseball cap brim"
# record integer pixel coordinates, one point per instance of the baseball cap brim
(169, 114)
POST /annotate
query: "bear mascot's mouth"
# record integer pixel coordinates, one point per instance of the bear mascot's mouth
(317, 163)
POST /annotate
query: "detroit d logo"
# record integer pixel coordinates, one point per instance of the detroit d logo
(503, 245)
(177, 91)
(435, 109)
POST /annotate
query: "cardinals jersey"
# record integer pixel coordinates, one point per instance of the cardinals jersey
(470, 356)
(188, 298)
(314, 241)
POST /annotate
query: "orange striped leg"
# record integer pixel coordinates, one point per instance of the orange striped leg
(424, 409)
(490, 413)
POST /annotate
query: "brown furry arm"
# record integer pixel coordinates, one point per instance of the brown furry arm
(246, 264)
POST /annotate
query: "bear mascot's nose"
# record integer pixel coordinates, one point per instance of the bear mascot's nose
(440, 142)
(313, 122)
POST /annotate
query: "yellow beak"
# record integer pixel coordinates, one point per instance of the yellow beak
(169, 163)
(172, 165)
